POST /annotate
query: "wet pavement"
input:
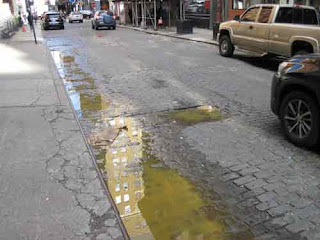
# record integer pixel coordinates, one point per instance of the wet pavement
(187, 152)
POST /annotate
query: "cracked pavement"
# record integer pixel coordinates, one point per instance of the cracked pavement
(50, 186)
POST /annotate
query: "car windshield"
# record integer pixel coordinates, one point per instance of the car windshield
(75, 13)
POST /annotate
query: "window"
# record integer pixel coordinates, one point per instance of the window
(297, 16)
(285, 15)
(250, 15)
(265, 15)
(126, 198)
(127, 209)
(53, 16)
(117, 188)
(239, 4)
(118, 199)
(310, 17)
(125, 186)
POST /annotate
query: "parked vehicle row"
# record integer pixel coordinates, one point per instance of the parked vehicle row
(287, 31)
(102, 19)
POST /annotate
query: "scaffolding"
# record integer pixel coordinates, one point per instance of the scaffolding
(143, 13)
(151, 13)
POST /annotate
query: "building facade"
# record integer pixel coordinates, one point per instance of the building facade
(165, 13)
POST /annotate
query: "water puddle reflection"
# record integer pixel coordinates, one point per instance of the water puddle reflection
(154, 202)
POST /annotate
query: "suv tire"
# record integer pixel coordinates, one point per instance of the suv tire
(226, 47)
(299, 115)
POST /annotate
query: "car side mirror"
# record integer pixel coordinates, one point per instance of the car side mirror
(236, 18)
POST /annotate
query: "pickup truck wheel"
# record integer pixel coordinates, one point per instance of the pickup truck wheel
(299, 115)
(226, 48)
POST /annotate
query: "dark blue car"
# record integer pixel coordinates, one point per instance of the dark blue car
(103, 19)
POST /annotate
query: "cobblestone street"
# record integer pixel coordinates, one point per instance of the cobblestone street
(242, 163)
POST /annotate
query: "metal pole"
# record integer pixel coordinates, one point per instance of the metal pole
(211, 14)
(136, 15)
(132, 10)
(169, 13)
(181, 17)
(145, 13)
(155, 15)
(34, 33)
(31, 22)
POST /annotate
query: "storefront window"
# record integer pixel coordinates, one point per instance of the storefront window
(197, 6)
(239, 4)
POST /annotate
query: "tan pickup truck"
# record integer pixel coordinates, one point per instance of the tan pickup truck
(283, 30)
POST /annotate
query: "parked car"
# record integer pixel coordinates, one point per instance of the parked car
(295, 98)
(104, 19)
(86, 13)
(75, 17)
(283, 30)
(52, 20)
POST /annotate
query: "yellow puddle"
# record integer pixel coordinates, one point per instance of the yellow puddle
(154, 202)
(197, 115)
(68, 59)
(173, 208)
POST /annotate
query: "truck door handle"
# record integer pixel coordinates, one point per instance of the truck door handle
(251, 27)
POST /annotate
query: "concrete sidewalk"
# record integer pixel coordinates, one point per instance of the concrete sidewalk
(199, 34)
(50, 186)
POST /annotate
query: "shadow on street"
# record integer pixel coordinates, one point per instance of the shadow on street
(267, 62)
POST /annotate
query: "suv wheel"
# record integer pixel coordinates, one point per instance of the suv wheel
(226, 48)
(299, 114)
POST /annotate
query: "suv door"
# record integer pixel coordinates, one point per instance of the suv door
(244, 30)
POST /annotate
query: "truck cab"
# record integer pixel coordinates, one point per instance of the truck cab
(284, 30)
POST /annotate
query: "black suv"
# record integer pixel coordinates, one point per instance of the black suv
(52, 20)
(295, 98)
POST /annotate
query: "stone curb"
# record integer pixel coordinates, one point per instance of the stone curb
(212, 42)
(94, 162)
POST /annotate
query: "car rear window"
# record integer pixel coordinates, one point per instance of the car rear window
(285, 15)
(297, 16)
(310, 17)
(51, 16)
(106, 12)
(76, 13)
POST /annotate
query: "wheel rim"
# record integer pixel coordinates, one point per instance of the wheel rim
(298, 118)
(224, 46)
